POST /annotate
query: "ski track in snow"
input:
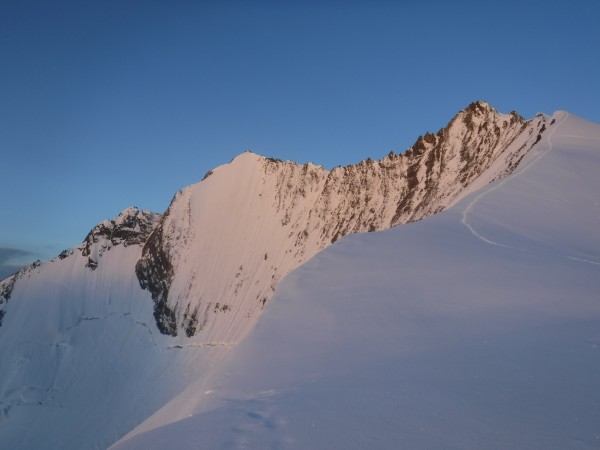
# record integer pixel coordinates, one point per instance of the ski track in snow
(204, 344)
(141, 323)
(467, 210)
(473, 202)
(584, 260)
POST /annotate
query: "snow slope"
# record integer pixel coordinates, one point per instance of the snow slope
(478, 327)
(81, 360)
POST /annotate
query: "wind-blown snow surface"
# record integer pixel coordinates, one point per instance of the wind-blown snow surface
(475, 328)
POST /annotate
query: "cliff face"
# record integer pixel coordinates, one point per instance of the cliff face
(225, 243)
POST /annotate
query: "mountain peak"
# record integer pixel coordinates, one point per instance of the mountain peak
(247, 155)
(131, 226)
(483, 108)
(480, 105)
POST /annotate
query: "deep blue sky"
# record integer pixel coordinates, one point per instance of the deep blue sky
(107, 104)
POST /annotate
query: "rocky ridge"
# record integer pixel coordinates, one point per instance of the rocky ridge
(291, 211)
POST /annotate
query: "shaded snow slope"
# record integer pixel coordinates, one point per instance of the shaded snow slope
(475, 328)
(81, 360)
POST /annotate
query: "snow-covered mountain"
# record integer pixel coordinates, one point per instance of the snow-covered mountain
(101, 337)
(476, 328)
(225, 243)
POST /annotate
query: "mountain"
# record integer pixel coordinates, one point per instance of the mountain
(478, 327)
(148, 306)
(278, 214)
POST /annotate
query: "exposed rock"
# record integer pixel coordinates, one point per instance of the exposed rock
(130, 227)
(155, 272)
(6, 288)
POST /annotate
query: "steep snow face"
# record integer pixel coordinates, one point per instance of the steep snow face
(475, 328)
(225, 243)
(131, 227)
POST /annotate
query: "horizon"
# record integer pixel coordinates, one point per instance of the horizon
(112, 105)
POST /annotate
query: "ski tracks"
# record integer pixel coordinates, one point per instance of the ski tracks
(467, 210)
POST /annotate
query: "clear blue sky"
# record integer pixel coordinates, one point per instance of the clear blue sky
(107, 104)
